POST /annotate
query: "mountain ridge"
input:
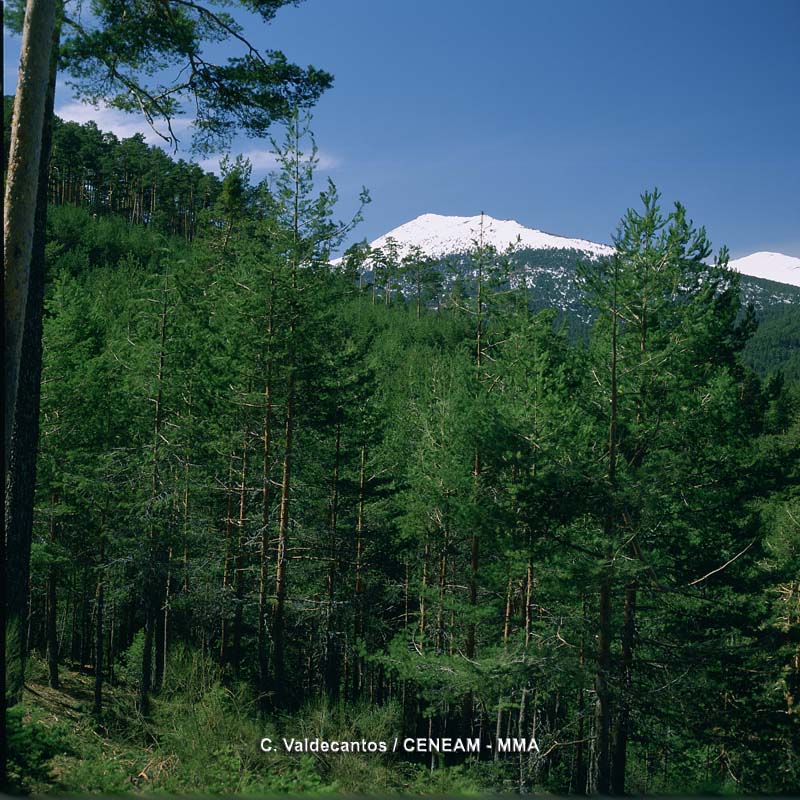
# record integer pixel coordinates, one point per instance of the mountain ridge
(439, 235)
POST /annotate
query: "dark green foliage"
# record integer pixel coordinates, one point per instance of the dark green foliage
(122, 53)
(31, 745)
(775, 347)
(448, 519)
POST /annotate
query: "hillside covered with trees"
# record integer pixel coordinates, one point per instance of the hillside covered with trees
(277, 499)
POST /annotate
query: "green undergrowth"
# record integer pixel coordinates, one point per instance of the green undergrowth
(201, 737)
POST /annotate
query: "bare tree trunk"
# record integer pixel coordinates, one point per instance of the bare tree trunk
(579, 779)
(603, 708)
(263, 657)
(112, 642)
(359, 587)
(24, 229)
(506, 629)
(331, 649)
(164, 642)
(52, 608)
(160, 630)
(226, 569)
(152, 584)
(278, 621)
(442, 584)
(22, 190)
(98, 659)
(473, 594)
(468, 709)
(279, 609)
(238, 580)
(423, 592)
(623, 713)
(145, 681)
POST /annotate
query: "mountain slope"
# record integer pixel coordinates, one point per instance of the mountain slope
(775, 267)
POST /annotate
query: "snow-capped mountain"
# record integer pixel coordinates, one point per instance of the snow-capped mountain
(769, 266)
(438, 235)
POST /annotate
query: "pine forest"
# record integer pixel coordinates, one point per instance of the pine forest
(468, 544)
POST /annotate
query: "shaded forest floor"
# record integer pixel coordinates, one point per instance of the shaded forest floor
(200, 741)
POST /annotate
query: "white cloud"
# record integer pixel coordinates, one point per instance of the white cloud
(265, 161)
(125, 125)
(122, 124)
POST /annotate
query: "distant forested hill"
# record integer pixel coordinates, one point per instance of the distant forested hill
(141, 183)
(550, 278)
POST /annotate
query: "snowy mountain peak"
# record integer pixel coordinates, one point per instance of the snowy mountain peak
(769, 266)
(438, 235)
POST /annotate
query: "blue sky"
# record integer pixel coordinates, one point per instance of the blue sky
(556, 114)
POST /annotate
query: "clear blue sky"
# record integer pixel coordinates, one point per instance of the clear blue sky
(559, 113)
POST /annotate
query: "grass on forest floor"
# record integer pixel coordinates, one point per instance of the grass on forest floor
(200, 741)
(202, 738)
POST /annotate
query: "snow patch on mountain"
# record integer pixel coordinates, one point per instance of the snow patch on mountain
(769, 266)
(438, 235)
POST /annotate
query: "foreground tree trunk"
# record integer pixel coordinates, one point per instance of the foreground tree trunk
(22, 185)
(24, 222)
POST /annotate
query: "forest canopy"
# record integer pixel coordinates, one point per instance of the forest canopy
(276, 495)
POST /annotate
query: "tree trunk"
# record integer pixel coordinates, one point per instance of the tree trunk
(52, 609)
(23, 182)
(603, 708)
(506, 629)
(153, 573)
(111, 642)
(579, 778)
(163, 642)
(359, 584)
(278, 620)
(160, 629)
(442, 585)
(422, 594)
(98, 659)
(226, 569)
(623, 712)
(25, 272)
(238, 578)
(279, 610)
(331, 649)
(263, 657)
